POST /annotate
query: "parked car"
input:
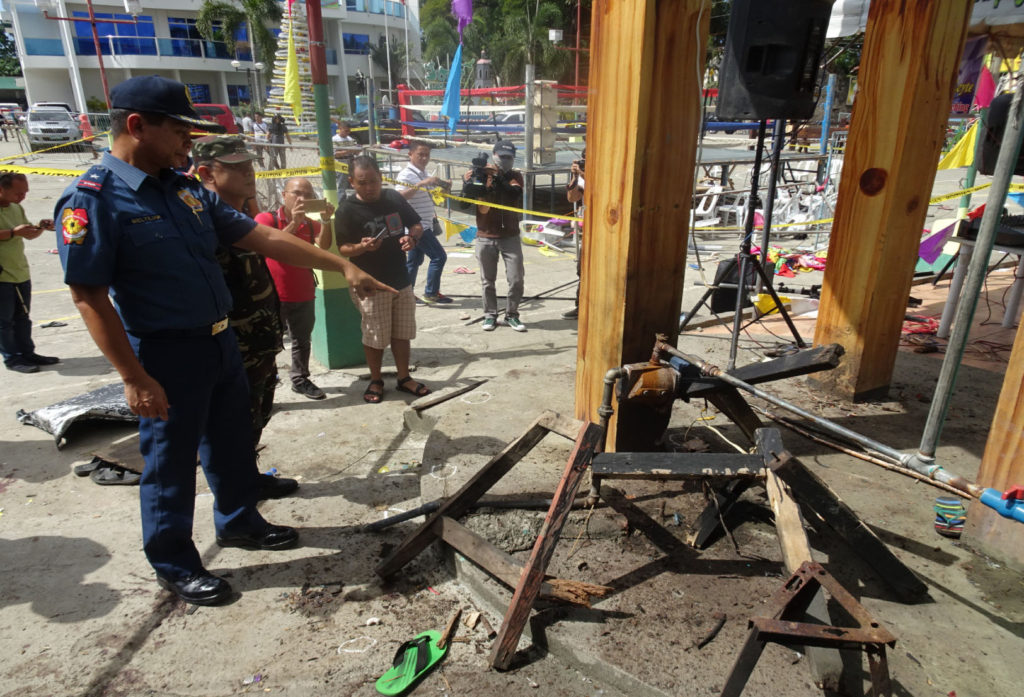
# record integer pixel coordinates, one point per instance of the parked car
(221, 113)
(54, 105)
(49, 127)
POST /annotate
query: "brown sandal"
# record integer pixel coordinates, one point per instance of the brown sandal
(372, 396)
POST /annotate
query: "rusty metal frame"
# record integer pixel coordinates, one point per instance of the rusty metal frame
(790, 602)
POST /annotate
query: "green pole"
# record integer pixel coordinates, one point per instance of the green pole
(972, 169)
(337, 339)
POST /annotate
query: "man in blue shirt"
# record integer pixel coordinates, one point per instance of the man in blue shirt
(133, 227)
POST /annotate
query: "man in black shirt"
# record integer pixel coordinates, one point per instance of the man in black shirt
(375, 228)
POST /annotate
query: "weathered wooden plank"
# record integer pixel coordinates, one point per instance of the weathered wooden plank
(675, 465)
(709, 520)
(806, 362)
(1002, 464)
(504, 568)
(826, 663)
(641, 136)
(564, 426)
(731, 403)
(907, 75)
(588, 440)
(472, 490)
(809, 490)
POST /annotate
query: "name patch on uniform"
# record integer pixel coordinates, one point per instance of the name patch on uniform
(74, 225)
(191, 201)
(145, 219)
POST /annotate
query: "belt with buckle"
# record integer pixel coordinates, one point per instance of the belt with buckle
(204, 330)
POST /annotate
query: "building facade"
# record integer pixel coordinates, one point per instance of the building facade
(59, 62)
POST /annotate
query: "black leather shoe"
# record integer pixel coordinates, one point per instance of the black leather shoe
(22, 366)
(273, 537)
(574, 313)
(270, 487)
(199, 589)
(36, 359)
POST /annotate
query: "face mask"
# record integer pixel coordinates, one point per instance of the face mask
(504, 164)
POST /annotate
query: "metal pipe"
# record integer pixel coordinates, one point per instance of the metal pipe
(911, 461)
(604, 413)
(1001, 176)
(528, 138)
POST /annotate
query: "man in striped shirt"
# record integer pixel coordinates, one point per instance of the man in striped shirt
(416, 181)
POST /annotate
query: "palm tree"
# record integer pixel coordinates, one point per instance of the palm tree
(219, 21)
(524, 38)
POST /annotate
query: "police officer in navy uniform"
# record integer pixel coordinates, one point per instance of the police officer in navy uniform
(133, 227)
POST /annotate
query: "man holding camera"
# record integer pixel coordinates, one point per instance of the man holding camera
(497, 232)
(296, 285)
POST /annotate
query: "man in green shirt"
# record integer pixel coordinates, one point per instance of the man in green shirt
(16, 345)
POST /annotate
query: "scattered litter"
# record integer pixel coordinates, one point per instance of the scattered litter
(272, 472)
(252, 679)
(533, 684)
(432, 590)
(676, 519)
(403, 466)
(914, 659)
(372, 621)
(321, 434)
(443, 471)
(54, 323)
(472, 619)
(52, 251)
(796, 658)
(476, 397)
(719, 618)
(465, 316)
(360, 644)
(463, 270)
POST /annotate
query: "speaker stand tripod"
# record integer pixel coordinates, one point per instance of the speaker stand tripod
(746, 259)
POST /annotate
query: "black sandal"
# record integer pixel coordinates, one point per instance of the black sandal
(371, 396)
(420, 391)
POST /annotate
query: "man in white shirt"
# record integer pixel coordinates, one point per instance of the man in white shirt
(416, 180)
(345, 149)
(260, 135)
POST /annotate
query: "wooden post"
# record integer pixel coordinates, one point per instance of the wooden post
(647, 59)
(1002, 466)
(907, 73)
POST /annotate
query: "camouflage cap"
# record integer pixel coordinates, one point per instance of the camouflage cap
(225, 149)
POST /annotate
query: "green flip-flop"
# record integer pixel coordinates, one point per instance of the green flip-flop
(412, 660)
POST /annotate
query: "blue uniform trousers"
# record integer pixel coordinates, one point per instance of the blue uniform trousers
(428, 245)
(209, 414)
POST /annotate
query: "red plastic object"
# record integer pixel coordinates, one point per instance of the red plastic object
(1015, 493)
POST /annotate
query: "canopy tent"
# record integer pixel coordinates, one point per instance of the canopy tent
(1001, 19)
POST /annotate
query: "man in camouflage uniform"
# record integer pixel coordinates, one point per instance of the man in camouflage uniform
(225, 167)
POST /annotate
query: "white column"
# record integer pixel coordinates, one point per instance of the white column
(75, 74)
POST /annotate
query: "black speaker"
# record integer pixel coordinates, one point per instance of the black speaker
(772, 52)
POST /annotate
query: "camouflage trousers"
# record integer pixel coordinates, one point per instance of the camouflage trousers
(262, 376)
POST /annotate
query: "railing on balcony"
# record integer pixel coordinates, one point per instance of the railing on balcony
(377, 7)
(144, 46)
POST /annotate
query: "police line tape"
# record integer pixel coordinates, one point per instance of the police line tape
(58, 146)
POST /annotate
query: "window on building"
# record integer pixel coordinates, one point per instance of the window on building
(356, 43)
(239, 95)
(355, 5)
(200, 93)
(185, 38)
(130, 38)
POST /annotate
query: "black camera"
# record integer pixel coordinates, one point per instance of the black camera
(582, 164)
(480, 163)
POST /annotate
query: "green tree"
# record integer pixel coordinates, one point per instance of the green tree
(10, 66)
(219, 21)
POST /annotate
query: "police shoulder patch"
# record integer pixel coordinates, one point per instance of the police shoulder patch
(94, 178)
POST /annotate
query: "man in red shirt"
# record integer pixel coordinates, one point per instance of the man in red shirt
(296, 285)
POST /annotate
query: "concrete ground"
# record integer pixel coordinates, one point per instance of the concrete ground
(80, 613)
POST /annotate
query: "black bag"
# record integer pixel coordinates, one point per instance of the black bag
(992, 137)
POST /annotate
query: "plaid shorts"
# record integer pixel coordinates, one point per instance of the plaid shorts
(386, 316)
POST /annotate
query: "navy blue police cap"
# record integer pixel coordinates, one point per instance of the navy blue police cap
(160, 95)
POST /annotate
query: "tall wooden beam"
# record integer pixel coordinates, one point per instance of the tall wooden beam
(1002, 466)
(647, 63)
(905, 85)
